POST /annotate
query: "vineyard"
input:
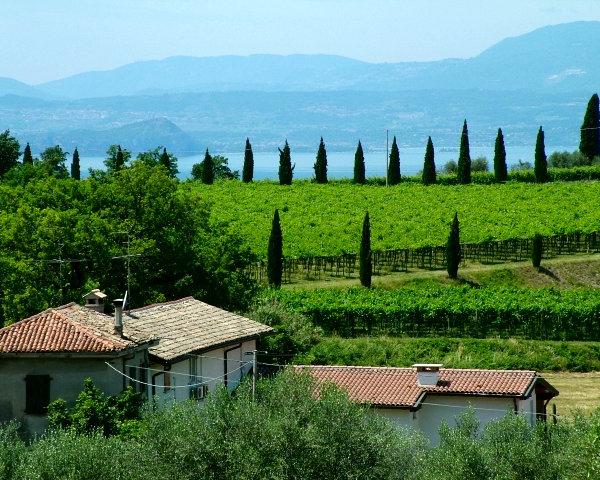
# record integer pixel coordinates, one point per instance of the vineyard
(325, 220)
(451, 311)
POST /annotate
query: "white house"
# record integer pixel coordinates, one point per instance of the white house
(199, 346)
(48, 355)
(422, 396)
(174, 350)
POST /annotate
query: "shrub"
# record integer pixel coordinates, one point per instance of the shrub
(480, 164)
(568, 160)
(450, 167)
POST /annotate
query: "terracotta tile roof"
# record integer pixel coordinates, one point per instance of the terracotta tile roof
(67, 329)
(398, 387)
(189, 325)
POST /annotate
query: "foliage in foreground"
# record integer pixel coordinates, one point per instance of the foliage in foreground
(288, 433)
(489, 353)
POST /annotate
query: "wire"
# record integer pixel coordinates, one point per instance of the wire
(135, 380)
(188, 374)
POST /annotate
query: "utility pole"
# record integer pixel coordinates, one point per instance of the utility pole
(253, 374)
(387, 155)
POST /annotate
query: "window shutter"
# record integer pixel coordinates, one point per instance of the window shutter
(37, 394)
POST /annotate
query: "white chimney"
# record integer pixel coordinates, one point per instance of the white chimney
(118, 304)
(428, 374)
(94, 300)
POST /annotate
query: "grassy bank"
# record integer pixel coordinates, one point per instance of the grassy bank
(457, 353)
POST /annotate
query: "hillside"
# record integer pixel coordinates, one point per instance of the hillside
(553, 58)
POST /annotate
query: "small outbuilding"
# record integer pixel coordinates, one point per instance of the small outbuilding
(423, 396)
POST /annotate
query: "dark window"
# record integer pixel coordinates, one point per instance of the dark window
(37, 394)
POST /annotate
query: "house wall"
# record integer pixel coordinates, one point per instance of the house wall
(432, 413)
(209, 368)
(400, 417)
(67, 376)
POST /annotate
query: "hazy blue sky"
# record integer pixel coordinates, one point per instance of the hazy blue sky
(47, 39)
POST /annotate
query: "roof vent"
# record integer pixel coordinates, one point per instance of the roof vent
(118, 304)
(428, 374)
(95, 300)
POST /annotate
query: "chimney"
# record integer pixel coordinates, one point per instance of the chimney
(94, 300)
(428, 374)
(118, 304)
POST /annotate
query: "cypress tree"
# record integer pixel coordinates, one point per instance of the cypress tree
(464, 158)
(590, 130)
(248, 171)
(286, 170)
(537, 250)
(540, 168)
(27, 157)
(208, 169)
(119, 159)
(275, 253)
(366, 265)
(500, 170)
(453, 254)
(359, 165)
(75, 168)
(429, 175)
(164, 160)
(394, 165)
(321, 164)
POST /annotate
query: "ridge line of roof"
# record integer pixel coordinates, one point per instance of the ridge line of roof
(367, 367)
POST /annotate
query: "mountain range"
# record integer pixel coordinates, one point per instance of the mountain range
(542, 77)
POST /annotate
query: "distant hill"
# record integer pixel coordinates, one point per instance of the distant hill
(136, 137)
(8, 86)
(553, 58)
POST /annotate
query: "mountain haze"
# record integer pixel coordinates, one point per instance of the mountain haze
(559, 57)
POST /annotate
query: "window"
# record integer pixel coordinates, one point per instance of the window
(37, 394)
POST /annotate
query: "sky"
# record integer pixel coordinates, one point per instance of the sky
(43, 40)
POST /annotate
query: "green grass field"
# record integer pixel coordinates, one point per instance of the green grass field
(327, 219)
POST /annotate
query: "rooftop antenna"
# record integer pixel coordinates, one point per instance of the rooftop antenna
(127, 257)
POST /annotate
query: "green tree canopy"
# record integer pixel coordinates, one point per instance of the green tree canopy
(589, 144)
(393, 173)
(463, 171)
(116, 158)
(159, 157)
(248, 170)
(359, 165)
(321, 163)
(286, 169)
(9, 152)
(429, 174)
(500, 170)
(53, 161)
(221, 170)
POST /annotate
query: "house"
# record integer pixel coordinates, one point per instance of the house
(199, 347)
(423, 396)
(172, 351)
(48, 355)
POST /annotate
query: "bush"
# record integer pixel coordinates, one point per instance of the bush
(450, 167)
(480, 164)
(521, 165)
(12, 450)
(568, 160)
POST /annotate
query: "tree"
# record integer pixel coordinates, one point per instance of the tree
(464, 158)
(116, 158)
(275, 253)
(590, 130)
(453, 253)
(359, 165)
(27, 157)
(9, 152)
(75, 167)
(220, 168)
(248, 170)
(53, 161)
(321, 164)
(155, 157)
(366, 265)
(537, 246)
(394, 165)
(286, 170)
(500, 170)
(429, 175)
(208, 169)
(540, 168)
